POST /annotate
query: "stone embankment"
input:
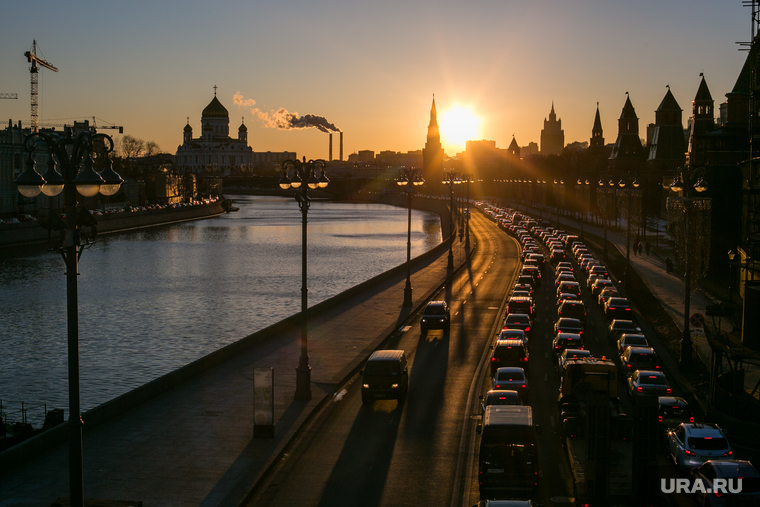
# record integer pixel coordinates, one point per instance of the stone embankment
(32, 235)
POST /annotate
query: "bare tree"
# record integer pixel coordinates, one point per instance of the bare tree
(130, 147)
(151, 148)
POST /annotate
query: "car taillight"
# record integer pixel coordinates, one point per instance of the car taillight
(557, 347)
(527, 329)
(628, 365)
(640, 389)
(729, 453)
(627, 309)
(667, 390)
(689, 453)
(497, 386)
(523, 359)
(660, 418)
(691, 419)
(718, 492)
(657, 366)
(493, 359)
(524, 386)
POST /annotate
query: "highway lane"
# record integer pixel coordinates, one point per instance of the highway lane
(391, 454)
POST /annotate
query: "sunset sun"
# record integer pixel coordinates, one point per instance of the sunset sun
(457, 126)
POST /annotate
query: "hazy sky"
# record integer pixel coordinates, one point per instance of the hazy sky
(370, 68)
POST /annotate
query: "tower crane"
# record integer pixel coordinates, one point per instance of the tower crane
(8, 95)
(32, 58)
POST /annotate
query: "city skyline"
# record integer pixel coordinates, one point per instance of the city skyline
(370, 70)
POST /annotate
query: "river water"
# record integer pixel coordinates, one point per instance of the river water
(152, 301)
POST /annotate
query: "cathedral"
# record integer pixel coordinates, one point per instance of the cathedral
(214, 152)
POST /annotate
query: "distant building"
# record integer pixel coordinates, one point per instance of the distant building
(552, 136)
(432, 154)
(597, 134)
(215, 153)
(627, 153)
(527, 151)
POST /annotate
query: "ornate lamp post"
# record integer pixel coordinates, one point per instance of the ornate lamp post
(685, 360)
(71, 153)
(303, 172)
(450, 179)
(407, 176)
(468, 179)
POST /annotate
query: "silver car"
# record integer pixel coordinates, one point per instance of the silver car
(691, 444)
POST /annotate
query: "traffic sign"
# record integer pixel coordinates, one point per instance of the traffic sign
(697, 320)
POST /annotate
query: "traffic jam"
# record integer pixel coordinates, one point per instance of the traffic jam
(567, 318)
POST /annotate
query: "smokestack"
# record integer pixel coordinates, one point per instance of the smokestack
(341, 146)
(330, 156)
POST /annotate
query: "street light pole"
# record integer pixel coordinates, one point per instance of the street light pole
(304, 172)
(626, 185)
(731, 255)
(70, 153)
(413, 176)
(450, 180)
(467, 214)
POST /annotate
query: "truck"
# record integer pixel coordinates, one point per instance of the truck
(508, 454)
(596, 433)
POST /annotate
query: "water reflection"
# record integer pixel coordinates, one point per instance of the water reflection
(151, 301)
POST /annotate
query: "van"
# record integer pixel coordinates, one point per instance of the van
(508, 454)
(385, 376)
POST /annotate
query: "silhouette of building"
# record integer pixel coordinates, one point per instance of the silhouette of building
(597, 135)
(627, 154)
(432, 154)
(667, 151)
(552, 135)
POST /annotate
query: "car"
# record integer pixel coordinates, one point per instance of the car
(385, 376)
(638, 358)
(564, 341)
(631, 340)
(691, 444)
(573, 310)
(514, 334)
(539, 258)
(509, 353)
(499, 397)
(568, 325)
(524, 287)
(563, 269)
(512, 379)
(535, 272)
(673, 411)
(607, 293)
(618, 328)
(570, 355)
(522, 294)
(648, 383)
(592, 278)
(599, 270)
(526, 279)
(564, 276)
(617, 308)
(518, 321)
(436, 315)
(599, 284)
(565, 265)
(731, 472)
(565, 296)
(569, 287)
(557, 255)
(519, 304)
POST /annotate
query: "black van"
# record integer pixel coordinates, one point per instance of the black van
(508, 455)
(385, 376)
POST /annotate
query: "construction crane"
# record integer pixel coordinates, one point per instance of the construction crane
(8, 95)
(32, 58)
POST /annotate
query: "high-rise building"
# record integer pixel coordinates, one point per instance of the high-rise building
(552, 136)
(432, 154)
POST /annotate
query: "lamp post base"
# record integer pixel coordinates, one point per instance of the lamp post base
(303, 383)
(685, 362)
(408, 294)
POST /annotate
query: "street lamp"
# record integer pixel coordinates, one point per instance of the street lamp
(468, 178)
(71, 153)
(731, 255)
(685, 360)
(303, 172)
(626, 185)
(459, 181)
(450, 179)
(413, 176)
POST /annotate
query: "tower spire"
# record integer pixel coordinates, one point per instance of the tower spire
(433, 115)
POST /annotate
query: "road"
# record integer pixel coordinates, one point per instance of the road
(390, 454)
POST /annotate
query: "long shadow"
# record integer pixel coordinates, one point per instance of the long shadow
(358, 477)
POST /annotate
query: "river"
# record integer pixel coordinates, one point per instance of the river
(151, 301)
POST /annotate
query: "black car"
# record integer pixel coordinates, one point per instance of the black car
(499, 397)
(638, 358)
(567, 325)
(436, 315)
(617, 308)
(672, 412)
(509, 353)
(565, 341)
(572, 310)
(518, 321)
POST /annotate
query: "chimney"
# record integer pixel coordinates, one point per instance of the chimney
(329, 159)
(341, 146)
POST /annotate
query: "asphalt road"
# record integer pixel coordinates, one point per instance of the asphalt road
(384, 453)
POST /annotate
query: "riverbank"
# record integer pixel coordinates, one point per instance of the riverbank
(31, 235)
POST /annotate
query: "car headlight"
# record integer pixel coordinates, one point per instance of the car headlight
(366, 386)
(442, 320)
(394, 386)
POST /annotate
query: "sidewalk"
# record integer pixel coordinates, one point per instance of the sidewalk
(193, 445)
(667, 288)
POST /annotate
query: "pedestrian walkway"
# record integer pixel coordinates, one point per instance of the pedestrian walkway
(667, 288)
(194, 445)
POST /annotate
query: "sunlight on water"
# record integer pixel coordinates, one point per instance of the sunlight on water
(151, 301)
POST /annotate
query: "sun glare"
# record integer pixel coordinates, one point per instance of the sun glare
(457, 126)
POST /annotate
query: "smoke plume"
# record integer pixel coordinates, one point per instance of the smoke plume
(285, 120)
